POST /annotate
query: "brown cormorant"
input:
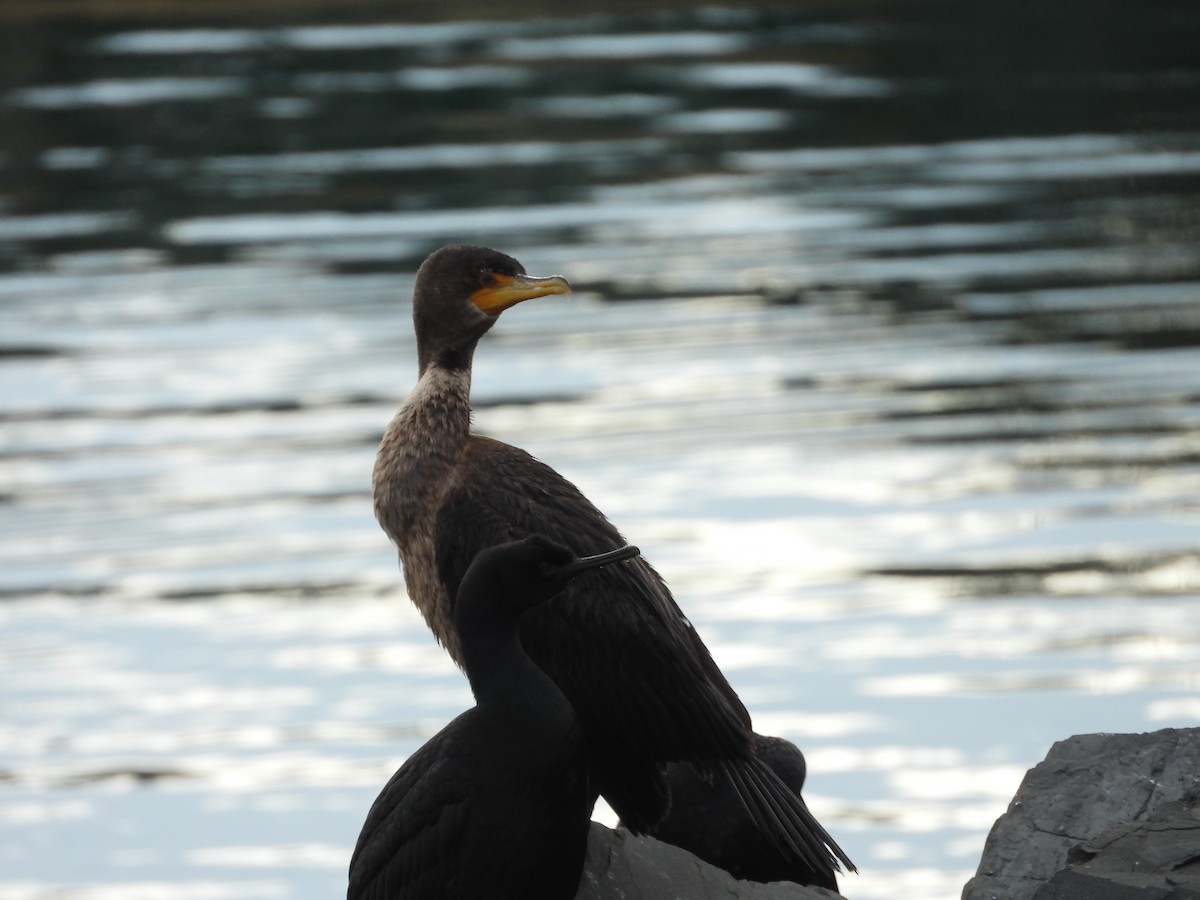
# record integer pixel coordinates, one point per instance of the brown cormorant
(643, 684)
(497, 803)
(707, 819)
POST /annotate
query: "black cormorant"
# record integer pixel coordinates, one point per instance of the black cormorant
(497, 803)
(643, 684)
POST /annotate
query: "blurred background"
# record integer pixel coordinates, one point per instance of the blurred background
(885, 348)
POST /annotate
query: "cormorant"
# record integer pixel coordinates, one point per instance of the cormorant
(496, 804)
(643, 684)
(708, 820)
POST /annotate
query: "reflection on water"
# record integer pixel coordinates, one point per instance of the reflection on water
(884, 349)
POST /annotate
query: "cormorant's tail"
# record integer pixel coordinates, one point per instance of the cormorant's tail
(637, 793)
(783, 818)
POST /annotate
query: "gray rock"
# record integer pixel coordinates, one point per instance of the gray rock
(1086, 787)
(621, 866)
(1158, 859)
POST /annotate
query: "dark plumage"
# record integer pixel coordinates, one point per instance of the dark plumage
(496, 804)
(708, 819)
(643, 684)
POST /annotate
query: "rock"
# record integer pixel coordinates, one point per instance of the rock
(1098, 795)
(1158, 859)
(621, 866)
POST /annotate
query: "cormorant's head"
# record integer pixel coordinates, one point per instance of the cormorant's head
(459, 293)
(516, 576)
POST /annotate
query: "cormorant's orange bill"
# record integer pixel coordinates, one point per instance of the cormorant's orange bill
(509, 290)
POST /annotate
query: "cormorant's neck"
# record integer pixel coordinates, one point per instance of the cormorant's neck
(435, 348)
(420, 447)
(498, 668)
(448, 359)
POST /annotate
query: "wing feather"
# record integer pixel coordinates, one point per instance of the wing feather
(406, 847)
(643, 684)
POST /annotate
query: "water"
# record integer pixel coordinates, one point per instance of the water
(883, 349)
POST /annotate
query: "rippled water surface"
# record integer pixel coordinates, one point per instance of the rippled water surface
(884, 349)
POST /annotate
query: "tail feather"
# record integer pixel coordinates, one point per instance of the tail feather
(783, 818)
(786, 806)
(782, 834)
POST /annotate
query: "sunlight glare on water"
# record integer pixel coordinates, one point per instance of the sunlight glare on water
(884, 357)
